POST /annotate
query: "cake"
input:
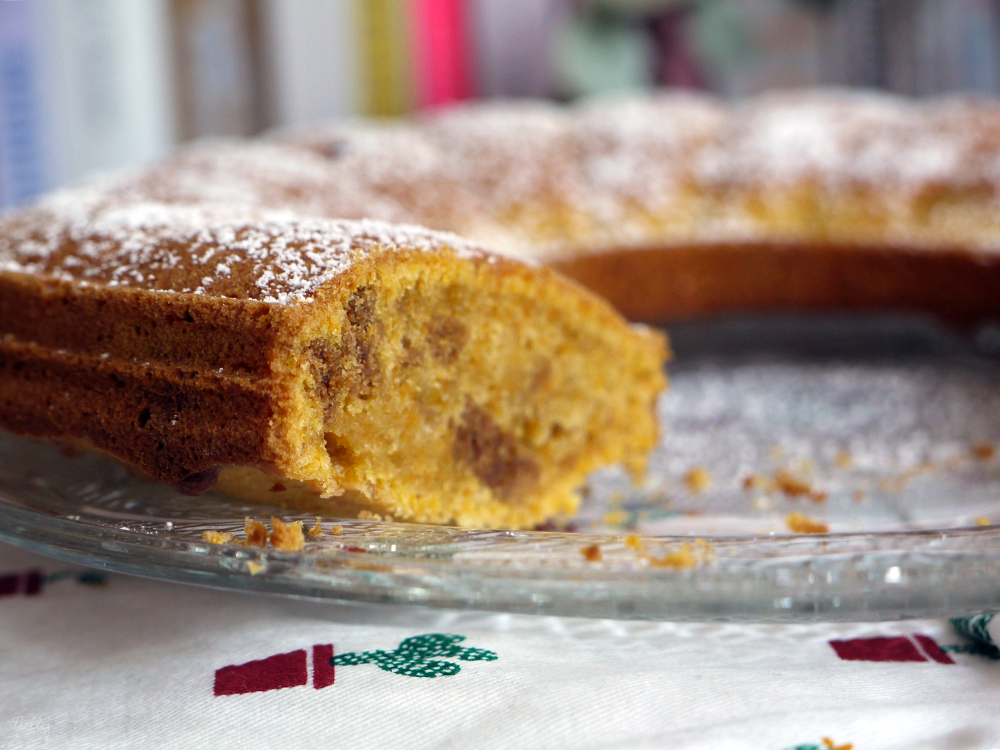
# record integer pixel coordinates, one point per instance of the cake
(824, 199)
(193, 318)
(342, 365)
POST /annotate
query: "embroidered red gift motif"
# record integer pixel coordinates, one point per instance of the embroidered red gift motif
(900, 648)
(276, 672)
(31, 582)
(28, 583)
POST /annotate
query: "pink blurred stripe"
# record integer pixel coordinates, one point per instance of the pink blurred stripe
(442, 52)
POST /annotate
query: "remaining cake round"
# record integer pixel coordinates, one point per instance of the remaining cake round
(385, 367)
(668, 205)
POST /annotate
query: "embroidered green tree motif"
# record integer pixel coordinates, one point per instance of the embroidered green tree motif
(415, 657)
(976, 629)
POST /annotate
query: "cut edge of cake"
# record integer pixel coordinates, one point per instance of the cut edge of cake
(424, 379)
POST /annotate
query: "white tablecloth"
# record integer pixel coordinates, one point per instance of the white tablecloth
(98, 660)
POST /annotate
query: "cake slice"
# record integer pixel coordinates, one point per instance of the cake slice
(344, 365)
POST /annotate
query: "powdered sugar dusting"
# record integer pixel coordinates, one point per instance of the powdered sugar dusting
(857, 137)
(229, 251)
(535, 180)
(489, 170)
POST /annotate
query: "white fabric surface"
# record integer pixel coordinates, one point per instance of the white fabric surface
(132, 663)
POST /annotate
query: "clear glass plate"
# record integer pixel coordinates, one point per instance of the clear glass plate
(884, 430)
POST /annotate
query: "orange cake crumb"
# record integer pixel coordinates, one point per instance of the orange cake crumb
(758, 482)
(316, 530)
(795, 486)
(790, 484)
(367, 515)
(802, 524)
(287, 536)
(216, 537)
(682, 557)
(256, 533)
(592, 553)
(634, 541)
(984, 451)
(698, 480)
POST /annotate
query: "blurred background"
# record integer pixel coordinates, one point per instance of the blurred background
(88, 85)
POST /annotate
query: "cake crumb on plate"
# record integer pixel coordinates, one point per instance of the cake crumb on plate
(800, 523)
(287, 537)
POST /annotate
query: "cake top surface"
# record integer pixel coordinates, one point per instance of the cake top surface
(501, 171)
(222, 250)
(523, 178)
(638, 147)
(477, 170)
(835, 137)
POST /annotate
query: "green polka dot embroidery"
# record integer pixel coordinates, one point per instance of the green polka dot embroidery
(420, 656)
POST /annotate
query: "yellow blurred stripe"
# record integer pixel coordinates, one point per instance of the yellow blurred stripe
(387, 54)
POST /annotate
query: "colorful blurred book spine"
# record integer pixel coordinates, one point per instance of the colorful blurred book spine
(312, 50)
(22, 173)
(84, 87)
(441, 50)
(416, 54)
(217, 66)
(386, 44)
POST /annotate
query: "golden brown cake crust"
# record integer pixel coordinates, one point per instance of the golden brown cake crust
(164, 419)
(671, 283)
